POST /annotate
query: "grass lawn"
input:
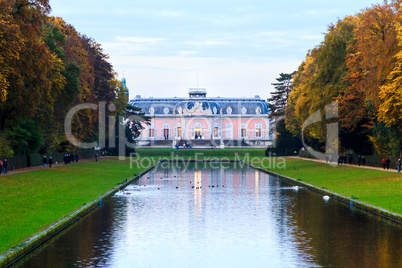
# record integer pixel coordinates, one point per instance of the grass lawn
(376, 187)
(34, 200)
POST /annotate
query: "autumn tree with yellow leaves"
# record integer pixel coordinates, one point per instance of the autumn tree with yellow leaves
(46, 68)
(359, 65)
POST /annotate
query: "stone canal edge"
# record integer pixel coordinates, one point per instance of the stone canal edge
(13, 255)
(16, 253)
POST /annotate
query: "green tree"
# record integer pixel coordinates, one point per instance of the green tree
(279, 97)
(285, 143)
(128, 116)
(26, 137)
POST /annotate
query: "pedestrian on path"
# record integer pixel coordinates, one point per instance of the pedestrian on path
(1, 167)
(44, 161)
(384, 162)
(387, 162)
(96, 157)
(359, 160)
(50, 162)
(363, 160)
(5, 166)
(398, 165)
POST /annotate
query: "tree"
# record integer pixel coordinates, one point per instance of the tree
(29, 85)
(285, 144)
(26, 137)
(132, 118)
(10, 48)
(279, 97)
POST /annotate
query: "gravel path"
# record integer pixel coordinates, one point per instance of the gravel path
(28, 169)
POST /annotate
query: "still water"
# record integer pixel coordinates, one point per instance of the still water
(207, 216)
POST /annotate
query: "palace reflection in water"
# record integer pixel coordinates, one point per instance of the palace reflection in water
(222, 217)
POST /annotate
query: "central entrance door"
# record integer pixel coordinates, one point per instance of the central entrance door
(197, 132)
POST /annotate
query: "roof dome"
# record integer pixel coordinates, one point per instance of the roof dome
(123, 81)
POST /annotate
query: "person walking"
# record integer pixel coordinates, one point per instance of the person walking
(50, 162)
(96, 157)
(384, 163)
(76, 157)
(5, 166)
(1, 167)
(398, 165)
(44, 161)
(387, 162)
(363, 160)
(359, 160)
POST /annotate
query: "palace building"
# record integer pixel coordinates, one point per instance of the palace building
(203, 121)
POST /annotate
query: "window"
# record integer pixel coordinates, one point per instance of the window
(151, 130)
(243, 132)
(216, 130)
(229, 130)
(166, 130)
(258, 130)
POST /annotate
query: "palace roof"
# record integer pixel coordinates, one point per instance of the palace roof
(226, 106)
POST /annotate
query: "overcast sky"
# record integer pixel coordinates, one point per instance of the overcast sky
(238, 47)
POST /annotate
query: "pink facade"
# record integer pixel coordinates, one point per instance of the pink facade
(202, 118)
(206, 128)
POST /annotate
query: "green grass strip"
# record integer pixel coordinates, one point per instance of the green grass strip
(379, 188)
(31, 201)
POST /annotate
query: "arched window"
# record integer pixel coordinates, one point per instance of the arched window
(216, 129)
(243, 130)
(151, 130)
(229, 130)
(166, 130)
(258, 130)
(178, 130)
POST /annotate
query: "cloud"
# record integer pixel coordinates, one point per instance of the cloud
(131, 44)
(318, 37)
(134, 39)
(186, 52)
(206, 43)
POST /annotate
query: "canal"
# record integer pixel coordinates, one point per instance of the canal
(221, 216)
